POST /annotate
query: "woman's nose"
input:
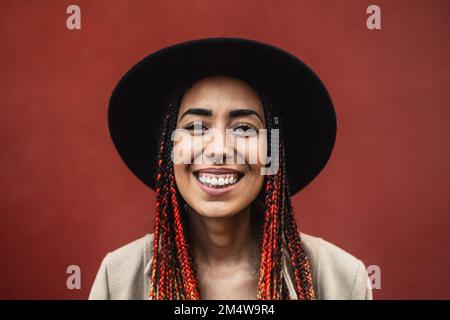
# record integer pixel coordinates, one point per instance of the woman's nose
(220, 148)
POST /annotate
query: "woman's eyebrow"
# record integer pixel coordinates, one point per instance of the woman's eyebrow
(243, 112)
(232, 114)
(197, 111)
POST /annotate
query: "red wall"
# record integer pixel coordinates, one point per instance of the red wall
(66, 198)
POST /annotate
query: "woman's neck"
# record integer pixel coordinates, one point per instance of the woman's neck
(223, 241)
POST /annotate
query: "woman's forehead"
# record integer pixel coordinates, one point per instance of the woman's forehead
(221, 94)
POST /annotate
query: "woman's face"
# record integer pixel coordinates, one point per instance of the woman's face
(226, 114)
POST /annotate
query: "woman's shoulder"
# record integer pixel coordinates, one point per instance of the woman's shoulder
(337, 273)
(132, 251)
(320, 250)
(123, 273)
(133, 256)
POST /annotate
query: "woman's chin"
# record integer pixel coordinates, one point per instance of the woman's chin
(216, 210)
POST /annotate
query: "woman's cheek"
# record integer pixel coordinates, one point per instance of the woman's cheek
(182, 147)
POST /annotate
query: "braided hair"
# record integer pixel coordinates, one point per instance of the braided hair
(173, 271)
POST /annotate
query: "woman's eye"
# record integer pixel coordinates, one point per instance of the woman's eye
(245, 130)
(197, 128)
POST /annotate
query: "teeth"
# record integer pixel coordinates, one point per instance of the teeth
(213, 180)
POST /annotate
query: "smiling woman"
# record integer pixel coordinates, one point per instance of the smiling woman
(219, 197)
(222, 228)
(200, 184)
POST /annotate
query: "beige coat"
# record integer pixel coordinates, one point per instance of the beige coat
(125, 272)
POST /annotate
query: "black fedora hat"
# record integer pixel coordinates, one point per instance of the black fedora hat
(306, 112)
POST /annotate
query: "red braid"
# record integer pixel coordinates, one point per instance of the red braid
(182, 249)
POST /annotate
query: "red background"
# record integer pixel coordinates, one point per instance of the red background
(66, 197)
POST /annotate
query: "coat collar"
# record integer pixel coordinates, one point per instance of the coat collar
(286, 269)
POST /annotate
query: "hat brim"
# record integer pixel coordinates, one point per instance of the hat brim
(308, 119)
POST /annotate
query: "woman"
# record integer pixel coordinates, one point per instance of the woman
(225, 228)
